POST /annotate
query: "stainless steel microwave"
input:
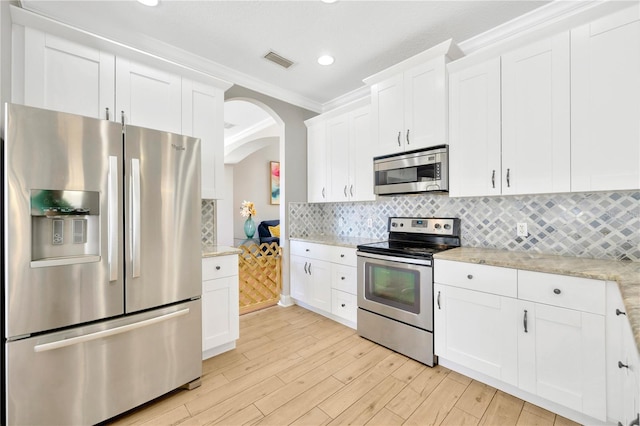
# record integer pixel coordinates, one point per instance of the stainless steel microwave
(423, 170)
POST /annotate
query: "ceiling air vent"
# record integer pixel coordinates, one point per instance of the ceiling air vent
(228, 126)
(277, 59)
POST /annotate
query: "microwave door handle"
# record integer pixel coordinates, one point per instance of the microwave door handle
(134, 206)
(112, 218)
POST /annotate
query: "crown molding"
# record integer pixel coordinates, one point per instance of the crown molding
(154, 52)
(348, 98)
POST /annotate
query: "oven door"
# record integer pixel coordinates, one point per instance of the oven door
(396, 287)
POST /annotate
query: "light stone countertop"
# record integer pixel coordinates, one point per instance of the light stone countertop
(213, 251)
(333, 240)
(626, 274)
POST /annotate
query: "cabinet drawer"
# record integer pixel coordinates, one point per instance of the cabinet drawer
(344, 256)
(564, 291)
(219, 266)
(311, 250)
(488, 279)
(344, 305)
(344, 278)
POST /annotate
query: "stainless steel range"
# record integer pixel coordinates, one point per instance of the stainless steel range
(395, 284)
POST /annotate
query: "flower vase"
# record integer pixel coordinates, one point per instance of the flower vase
(249, 227)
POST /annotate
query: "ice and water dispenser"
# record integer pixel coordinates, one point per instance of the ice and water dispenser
(65, 227)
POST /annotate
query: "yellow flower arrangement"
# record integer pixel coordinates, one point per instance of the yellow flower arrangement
(247, 209)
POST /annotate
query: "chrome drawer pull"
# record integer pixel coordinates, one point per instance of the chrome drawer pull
(470, 276)
(217, 268)
(439, 301)
(621, 365)
(557, 291)
(619, 312)
(525, 321)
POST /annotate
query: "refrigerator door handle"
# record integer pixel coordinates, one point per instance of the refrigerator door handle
(106, 333)
(134, 206)
(113, 218)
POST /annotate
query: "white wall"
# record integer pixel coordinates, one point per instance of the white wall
(251, 182)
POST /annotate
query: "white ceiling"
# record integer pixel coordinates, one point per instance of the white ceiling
(364, 36)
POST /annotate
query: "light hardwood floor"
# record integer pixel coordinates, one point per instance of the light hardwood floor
(294, 367)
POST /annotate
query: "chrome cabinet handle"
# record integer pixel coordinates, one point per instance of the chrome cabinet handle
(351, 190)
(438, 301)
(343, 305)
(470, 277)
(134, 197)
(345, 191)
(309, 268)
(217, 268)
(407, 136)
(399, 144)
(525, 321)
(113, 218)
(122, 117)
(342, 255)
(619, 312)
(621, 365)
(557, 291)
(107, 112)
(508, 178)
(343, 278)
(305, 268)
(493, 178)
(323, 192)
(636, 421)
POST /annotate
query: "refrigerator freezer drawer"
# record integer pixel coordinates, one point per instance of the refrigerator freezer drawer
(89, 374)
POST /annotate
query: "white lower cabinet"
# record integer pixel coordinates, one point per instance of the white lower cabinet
(323, 278)
(547, 339)
(463, 318)
(623, 363)
(220, 306)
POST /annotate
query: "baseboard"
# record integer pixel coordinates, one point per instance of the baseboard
(218, 350)
(286, 301)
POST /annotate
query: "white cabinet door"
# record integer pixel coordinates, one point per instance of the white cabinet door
(149, 97)
(317, 190)
(425, 105)
(300, 280)
(477, 330)
(605, 95)
(360, 156)
(203, 117)
(320, 284)
(475, 126)
(220, 312)
(536, 118)
(338, 164)
(561, 357)
(68, 77)
(387, 114)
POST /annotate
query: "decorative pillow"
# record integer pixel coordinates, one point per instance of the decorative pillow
(274, 231)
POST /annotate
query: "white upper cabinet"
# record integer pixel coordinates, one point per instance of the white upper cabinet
(66, 76)
(475, 132)
(510, 122)
(148, 97)
(202, 117)
(536, 118)
(409, 102)
(605, 94)
(317, 167)
(339, 158)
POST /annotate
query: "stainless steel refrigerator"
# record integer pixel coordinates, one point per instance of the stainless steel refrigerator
(102, 266)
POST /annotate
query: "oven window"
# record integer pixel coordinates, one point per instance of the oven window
(425, 173)
(393, 286)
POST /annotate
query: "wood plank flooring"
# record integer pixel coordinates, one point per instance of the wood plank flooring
(294, 367)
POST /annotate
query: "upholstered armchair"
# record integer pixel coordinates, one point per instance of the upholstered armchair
(264, 234)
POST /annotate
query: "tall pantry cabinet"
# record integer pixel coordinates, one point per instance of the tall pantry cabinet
(54, 73)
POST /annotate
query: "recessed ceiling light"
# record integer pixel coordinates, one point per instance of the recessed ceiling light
(325, 60)
(149, 2)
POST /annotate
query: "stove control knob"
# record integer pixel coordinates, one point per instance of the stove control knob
(401, 225)
(437, 226)
(394, 224)
(447, 226)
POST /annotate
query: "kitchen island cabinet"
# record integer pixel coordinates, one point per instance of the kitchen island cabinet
(220, 302)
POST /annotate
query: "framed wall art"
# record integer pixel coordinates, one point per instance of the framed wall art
(274, 167)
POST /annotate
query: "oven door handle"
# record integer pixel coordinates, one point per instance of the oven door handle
(424, 262)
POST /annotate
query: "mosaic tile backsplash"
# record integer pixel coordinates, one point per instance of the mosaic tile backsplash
(208, 222)
(604, 225)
